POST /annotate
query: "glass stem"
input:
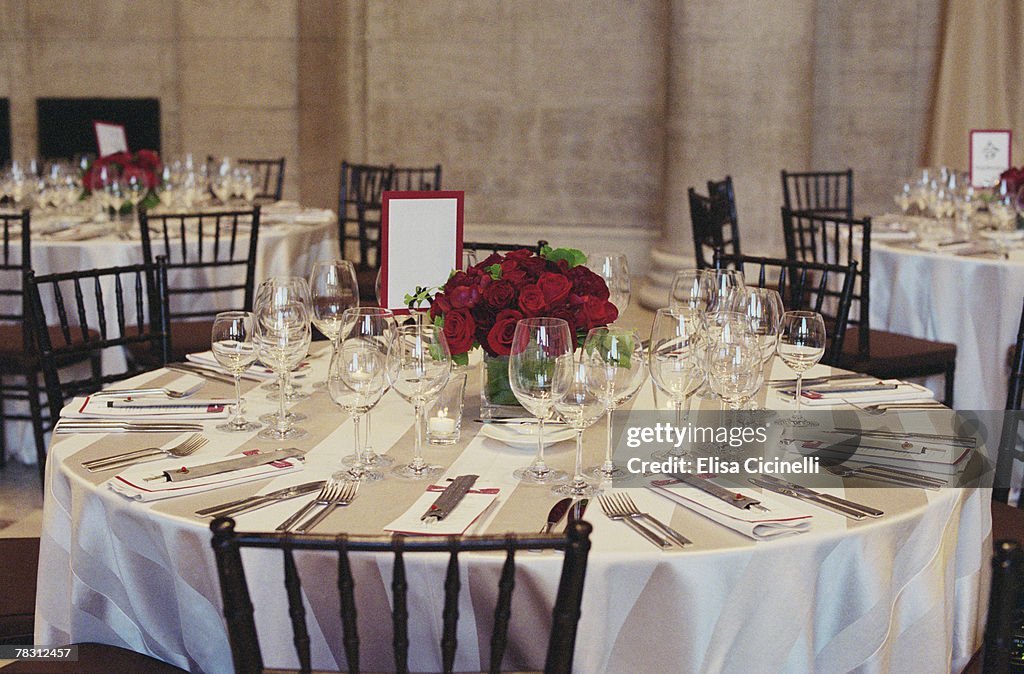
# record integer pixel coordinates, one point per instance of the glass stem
(417, 454)
(357, 468)
(539, 467)
(799, 393)
(608, 437)
(578, 481)
(239, 420)
(367, 444)
(282, 418)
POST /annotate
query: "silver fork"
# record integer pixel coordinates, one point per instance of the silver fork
(627, 507)
(881, 408)
(613, 513)
(328, 492)
(888, 475)
(344, 497)
(170, 393)
(184, 448)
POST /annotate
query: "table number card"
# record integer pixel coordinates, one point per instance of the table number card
(420, 243)
(110, 138)
(990, 155)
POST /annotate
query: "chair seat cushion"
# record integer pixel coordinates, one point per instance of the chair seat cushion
(96, 659)
(894, 355)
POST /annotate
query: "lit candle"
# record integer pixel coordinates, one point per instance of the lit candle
(441, 425)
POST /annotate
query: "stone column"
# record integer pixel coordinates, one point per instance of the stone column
(740, 99)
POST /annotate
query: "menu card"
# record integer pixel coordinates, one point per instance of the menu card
(990, 155)
(420, 243)
(110, 138)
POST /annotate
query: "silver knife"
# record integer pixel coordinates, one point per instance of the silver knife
(556, 514)
(253, 502)
(203, 372)
(786, 491)
(811, 381)
(576, 512)
(800, 489)
(733, 498)
(228, 465)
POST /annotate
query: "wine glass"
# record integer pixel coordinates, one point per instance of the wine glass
(358, 377)
(616, 357)
(801, 344)
(233, 347)
(332, 291)
(373, 315)
(614, 269)
(725, 287)
(677, 337)
(282, 339)
(692, 289)
(299, 287)
(734, 368)
(763, 309)
(134, 189)
(540, 372)
(419, 365)
(582, 405)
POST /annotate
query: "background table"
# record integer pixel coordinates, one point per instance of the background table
(973, 302)
(903, 593)
(283, 249)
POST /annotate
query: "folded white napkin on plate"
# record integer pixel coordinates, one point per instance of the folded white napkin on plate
(782, 520)
(833, 394)
(149, 408)
(525, 435)
(470, 508)
(132, 481)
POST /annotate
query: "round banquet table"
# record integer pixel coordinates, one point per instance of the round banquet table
(286, 246)
(900, 593)
(971, 301)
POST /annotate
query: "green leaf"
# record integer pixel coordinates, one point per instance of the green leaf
(572, 256)
(494, 270)
(460, 358)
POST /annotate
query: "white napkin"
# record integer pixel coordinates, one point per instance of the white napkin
(80, 232)
(255, 372)
(948, 246)
(892, 235)
(98, 407)
(470, 508)
(782, 521)
(821, 396)
(132, 481)
(525, 434)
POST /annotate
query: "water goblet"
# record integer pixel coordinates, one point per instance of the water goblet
(800, 345)
(725, 288)
(419, 365)
(540, 373)
(358, 378)
(615, 355)
(763, 309)
(332, 290)
(282, 339)
(581, 406)
(692, 289)
(677, 343)
(299, 287)
(614, 269)
(232, 344)
(370, 316)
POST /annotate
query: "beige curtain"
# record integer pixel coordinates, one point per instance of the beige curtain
(980, 83)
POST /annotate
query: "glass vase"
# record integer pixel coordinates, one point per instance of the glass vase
(496, 397)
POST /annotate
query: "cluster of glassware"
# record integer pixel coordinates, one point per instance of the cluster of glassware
(947, 196)
(54, 187)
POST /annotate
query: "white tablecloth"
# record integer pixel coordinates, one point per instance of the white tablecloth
(973, 302)
(283, 249)
(898, 594)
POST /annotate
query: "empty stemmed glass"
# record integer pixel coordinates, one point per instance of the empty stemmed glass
(232, 344)
(373, 316)
(582, 405)
(726, 285)
(299, 287)
(419, 365)
(692, 289)
(282, 339)
(676, 352)
(614, 269)
(616, 357)
(801, 344)
(540, 373)
(734, 368)
(763, 308)
(358, 377)
(332, 291)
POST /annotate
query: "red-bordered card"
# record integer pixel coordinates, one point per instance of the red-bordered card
(110, 137)
(420, 243)
(990, 153)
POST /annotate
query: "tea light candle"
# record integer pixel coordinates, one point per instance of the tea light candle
(441, 425)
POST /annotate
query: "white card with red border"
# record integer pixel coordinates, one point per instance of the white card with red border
(110, 138)
(990, 155)
(420, 243)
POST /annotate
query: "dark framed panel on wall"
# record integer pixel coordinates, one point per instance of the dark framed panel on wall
(66, 124)
(5, 131)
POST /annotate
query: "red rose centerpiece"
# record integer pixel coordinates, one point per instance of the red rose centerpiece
(480, 306)
(144, 166)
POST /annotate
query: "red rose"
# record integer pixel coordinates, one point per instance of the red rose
(499, 338)
(499, 294)
(144, 175)
(595, 313)
(521, 254)
(534, 266)
(516, 277)
(567, 315)
(440, 305)
(586, 283)
(492, 259)
(148, 159)
(554, 286)
(91, 180)
(463, 290)
(531, 300)
(459, 330)
(122, 159)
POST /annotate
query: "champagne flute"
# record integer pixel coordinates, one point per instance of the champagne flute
(616, 357)
(419, 365)
(614, 269)
(677, 342)
(358, 378)
(282, 339)
(801, 344)
(232, 344)
(373, 316)
(582, 405)
(332, 290)
(540, 373)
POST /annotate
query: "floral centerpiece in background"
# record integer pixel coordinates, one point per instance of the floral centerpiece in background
(144, 166)
(481, 305)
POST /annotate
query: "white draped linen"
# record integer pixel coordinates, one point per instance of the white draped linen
(973, 302)
(901, 593)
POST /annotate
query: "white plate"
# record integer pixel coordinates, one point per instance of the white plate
(525, 435)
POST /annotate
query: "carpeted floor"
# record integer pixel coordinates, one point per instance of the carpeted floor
(21, 501)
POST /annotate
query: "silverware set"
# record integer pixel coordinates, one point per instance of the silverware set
(185, 448)
(249, 503)
(110, 426)
(850, 509)
(620, 507)
(334, 494)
